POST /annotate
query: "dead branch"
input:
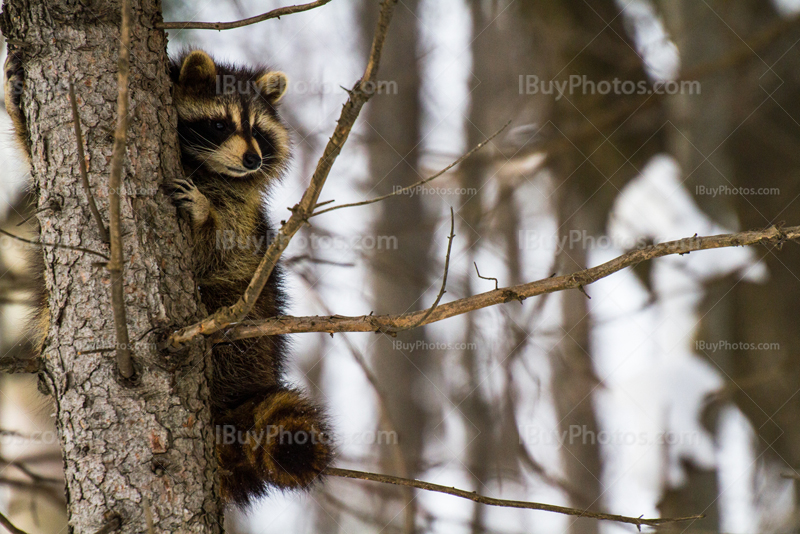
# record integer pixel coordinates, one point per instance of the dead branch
(115, 266)
(303, 210)
(391, 324)
(10, 526)
(76, 121)
(443, 289)
(274, 14)
(418, 184)
(495, 280)
(475, 497)
(20, 361)
(55, 245)
(36, 478)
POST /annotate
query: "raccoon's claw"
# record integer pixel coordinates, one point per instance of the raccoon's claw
(188, 199)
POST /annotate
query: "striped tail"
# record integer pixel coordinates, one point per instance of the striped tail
(281, 440)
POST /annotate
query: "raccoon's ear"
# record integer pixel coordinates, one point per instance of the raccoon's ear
(273, 86)
(198, 69)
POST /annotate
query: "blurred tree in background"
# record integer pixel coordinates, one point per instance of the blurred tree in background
(688, 365)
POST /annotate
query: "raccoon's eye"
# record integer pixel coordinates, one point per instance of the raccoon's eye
(220, 125)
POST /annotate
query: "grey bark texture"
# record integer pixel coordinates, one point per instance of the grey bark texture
(124, 446)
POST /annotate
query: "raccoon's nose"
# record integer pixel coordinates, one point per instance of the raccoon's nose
(251, 161)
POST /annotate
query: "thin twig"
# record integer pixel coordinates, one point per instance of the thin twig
(54, 494)
(42, 244)
(443, 290)
(303, 210)
(115, 266)
(30, 474)
(274, 14)
(305, 257)
(475, 497)
(10, 526)
(76, 120)
(394, 323)
(418, 184)
(35, 213)
(496, 282)
(791, 476)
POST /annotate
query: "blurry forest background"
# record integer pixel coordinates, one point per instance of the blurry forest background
(673, 391)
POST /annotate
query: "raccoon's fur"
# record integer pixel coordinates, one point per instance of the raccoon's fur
(234, 146)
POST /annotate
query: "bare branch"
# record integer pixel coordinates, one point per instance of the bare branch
(391, 324)
(56, 245)
(53, 494)
(443, 290)
(53, 205)
(30, 474)
(20, 361)
(496, 281)
(475, 497)
(412, 186)
(303, 210)
(791, 476)
(274, 14)
(10, 526)
(76, 121)
(115, 266)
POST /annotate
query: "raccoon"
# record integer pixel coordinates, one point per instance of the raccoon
(234, 146)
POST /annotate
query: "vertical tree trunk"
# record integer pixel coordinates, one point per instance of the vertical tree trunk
(764, 153)
(494, 101)
(597, 147)
(401, 276)
(700, 124)
(574, 380)
(147, 448)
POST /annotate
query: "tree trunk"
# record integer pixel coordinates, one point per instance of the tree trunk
(597, 145)
(764, 154)
(147, 448)
(400, 276)
(701, 123)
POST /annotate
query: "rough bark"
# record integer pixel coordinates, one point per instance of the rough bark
(139, 448)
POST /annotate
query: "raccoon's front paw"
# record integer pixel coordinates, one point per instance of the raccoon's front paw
(188, 199)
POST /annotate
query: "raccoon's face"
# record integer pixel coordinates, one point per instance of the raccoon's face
(227, 118)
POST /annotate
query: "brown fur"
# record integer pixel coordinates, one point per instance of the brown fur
(12, 89)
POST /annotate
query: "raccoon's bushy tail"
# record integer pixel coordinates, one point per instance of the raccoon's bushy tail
(281, 440)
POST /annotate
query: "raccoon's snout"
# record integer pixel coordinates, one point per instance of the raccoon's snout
(251, 161)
